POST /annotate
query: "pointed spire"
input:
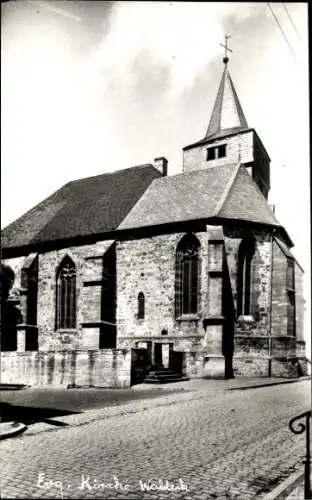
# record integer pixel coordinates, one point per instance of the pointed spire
(227, 114)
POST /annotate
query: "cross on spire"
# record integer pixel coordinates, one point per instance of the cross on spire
(226, 49)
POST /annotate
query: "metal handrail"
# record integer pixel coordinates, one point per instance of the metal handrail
(301, 427)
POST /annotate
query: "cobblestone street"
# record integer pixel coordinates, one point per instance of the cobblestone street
(210, 444)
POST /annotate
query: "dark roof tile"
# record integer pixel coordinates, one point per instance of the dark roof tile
(226, 191)
(245, 201)
(80, 208)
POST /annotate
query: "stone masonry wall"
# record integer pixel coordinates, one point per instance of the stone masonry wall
(105, 368)
(260, 296)
(147, 265)
(88, 297)
(262, 174)
(196, 158)
(16, 265)
(259, 367)
(299, 277)
(279, 296)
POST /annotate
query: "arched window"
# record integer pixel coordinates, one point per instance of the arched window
(141, 305)
(66, 295)
(187, 276)
(291, 297)
(244, 285)
(29, 282)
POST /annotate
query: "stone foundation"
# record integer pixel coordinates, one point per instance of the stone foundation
(265, 367)
(102, 368)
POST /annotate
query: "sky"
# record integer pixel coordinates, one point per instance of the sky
(93, 87)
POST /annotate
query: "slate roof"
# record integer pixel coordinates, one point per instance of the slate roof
(226, 191)
(283, 247)
(287, 251)
(245, 201)
(82, 207)
(227, 117)
(227, 112)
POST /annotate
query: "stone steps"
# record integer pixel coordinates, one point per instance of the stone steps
(157, 380)
(164, 375)
(12, 387)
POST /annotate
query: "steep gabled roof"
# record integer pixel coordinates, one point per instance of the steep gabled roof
(80, 208)
(227, 191)
(227, 117)
(244, 201)
(227, 114)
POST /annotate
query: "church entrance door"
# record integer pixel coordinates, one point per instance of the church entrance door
(158, 360)
(162, 353)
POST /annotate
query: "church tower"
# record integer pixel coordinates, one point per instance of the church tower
(228, 138)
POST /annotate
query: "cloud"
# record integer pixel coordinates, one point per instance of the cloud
(182, 36)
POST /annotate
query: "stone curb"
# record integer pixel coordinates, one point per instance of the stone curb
(11, 429)
(286, 487)
(266, 384)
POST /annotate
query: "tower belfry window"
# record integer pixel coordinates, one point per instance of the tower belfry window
(222, 151)
(211, 154)
(216, 152)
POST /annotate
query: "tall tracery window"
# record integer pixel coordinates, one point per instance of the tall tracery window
(66, 295)
(244, 285)
(29, 282)
(141, 306)
(291, 298)
(187, 276)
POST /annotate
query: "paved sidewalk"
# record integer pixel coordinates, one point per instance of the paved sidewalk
(238, 383)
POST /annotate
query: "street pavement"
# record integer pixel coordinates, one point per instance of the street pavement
(201, 444)
(34, 404)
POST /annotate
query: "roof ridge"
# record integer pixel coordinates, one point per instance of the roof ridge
(143, 165)
(227, 190)
(193, 172)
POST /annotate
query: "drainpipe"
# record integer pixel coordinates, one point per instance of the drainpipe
(271, 295)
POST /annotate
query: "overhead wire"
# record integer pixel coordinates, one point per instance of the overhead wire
(292, 22)
(282, 31)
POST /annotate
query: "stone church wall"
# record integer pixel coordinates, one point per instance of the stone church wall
(147, 265)
(279, 296)
(88, 262)
(260, 296)
(299, 277)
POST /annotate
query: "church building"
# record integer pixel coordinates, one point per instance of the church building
(192, 269)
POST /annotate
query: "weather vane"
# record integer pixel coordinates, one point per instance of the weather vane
(226, 49)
